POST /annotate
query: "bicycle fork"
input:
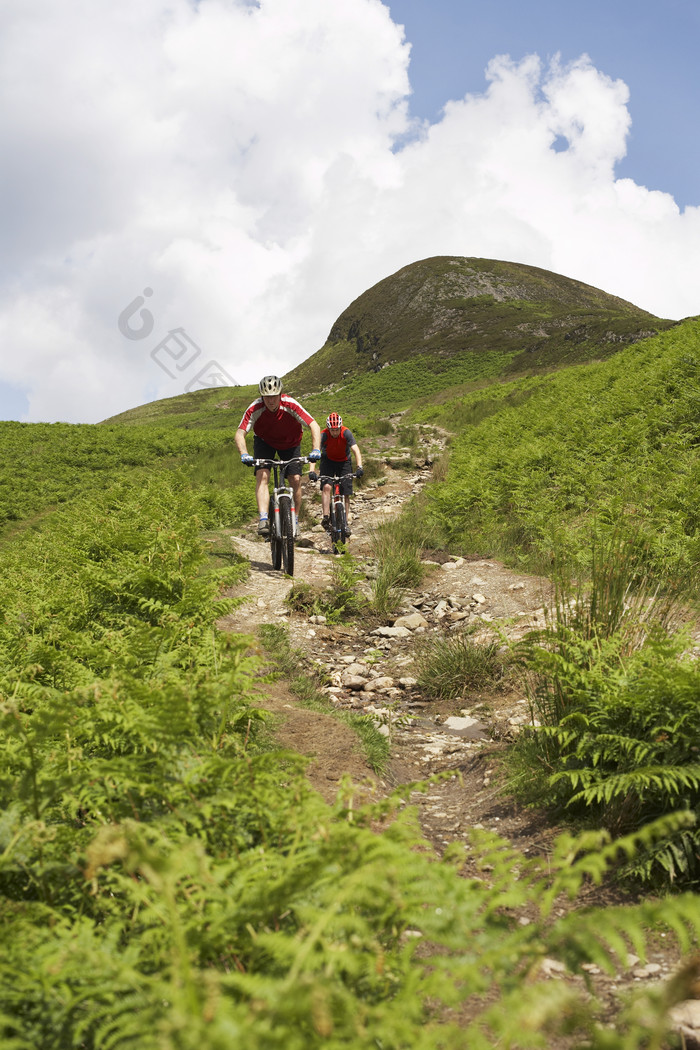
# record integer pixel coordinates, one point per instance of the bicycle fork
(276, 518)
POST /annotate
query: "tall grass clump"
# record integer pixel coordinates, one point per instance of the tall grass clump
(451, 667)
(618, 698)
(340, 600)
(397, 546)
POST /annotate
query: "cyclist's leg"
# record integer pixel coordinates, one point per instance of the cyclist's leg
(346, 489)
(325, 470)
(262, 493)
(261, 450)
(326, 500)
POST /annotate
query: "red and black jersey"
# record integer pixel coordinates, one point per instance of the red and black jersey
(280, 429)
(337, 448)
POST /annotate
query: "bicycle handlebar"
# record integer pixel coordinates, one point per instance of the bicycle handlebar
(322, 478)
(277, 462)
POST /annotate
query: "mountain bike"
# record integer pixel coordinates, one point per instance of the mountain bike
(338, 525)
(281, 513)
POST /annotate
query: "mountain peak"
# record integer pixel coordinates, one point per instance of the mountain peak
(451, 305)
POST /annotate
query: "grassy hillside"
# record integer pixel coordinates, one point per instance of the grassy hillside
(219, 407)
(44, 466)
(446, 308)
(538, 461)
(446, 324)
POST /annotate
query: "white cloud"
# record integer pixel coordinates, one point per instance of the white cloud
(243, 162)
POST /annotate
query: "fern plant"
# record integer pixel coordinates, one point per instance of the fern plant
(619, 703)
(169, 881)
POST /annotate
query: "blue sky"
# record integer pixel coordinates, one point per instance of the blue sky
(191, 191)
(652, 46)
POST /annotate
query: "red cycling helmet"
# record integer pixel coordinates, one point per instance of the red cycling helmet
(334, 421)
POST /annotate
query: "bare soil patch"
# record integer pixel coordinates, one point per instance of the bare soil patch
(332, 747)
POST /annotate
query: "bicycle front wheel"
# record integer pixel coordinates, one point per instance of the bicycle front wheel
(275, 541)
(339, 528)
(287, 540)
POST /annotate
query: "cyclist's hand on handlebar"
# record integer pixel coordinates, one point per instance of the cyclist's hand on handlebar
(359, 472)
(314, 455)
(313, 476)
(246, 460)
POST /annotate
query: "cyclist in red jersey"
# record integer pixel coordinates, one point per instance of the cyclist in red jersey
(338, 445)
(277, 421)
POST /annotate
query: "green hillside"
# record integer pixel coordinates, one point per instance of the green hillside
(445, 324)
(538, 461)
(537, 456)
(44, 466)
(218, 407)
(168, 878)
(477, 315)
(442, 325)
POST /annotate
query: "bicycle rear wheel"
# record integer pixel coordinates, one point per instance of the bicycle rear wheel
(275, 541)
(287, 541)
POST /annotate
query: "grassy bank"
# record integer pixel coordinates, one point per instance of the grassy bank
(544, 463)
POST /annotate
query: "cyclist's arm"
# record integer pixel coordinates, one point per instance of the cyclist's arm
(239, 438)
(357, 454)
(315, 434)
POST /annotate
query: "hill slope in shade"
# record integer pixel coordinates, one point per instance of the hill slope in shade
(448, 306)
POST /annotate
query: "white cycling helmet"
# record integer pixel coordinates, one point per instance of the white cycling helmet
(270, 385)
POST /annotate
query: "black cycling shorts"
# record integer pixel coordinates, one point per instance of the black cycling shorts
(333, 469)
(261, 450)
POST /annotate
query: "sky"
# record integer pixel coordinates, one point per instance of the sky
(191, 191)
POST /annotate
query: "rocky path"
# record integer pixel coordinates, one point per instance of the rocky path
(371, 669)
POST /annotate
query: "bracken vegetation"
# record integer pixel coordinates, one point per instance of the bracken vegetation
(168, 879)
(612, 442)
(616, 693)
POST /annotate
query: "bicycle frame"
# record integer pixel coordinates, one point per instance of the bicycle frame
(280, 492)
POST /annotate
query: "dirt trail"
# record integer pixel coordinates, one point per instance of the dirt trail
(374, 673)
(452, 595)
